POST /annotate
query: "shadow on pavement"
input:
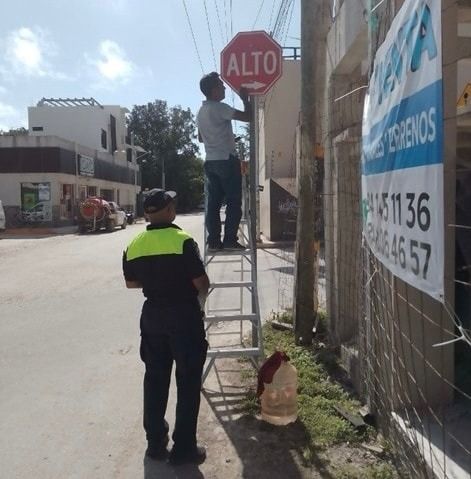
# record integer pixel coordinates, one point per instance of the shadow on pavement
(162, 470)
(265, 450)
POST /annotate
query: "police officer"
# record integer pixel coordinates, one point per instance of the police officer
(165, 262)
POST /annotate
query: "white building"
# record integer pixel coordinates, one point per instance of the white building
(75, 148)
(276, 121)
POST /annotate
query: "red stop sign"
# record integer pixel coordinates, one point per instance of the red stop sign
(252, 60)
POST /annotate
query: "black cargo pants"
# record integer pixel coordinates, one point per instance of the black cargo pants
(172, 334)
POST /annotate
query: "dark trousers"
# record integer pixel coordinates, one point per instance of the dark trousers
(168, 335)
(224, 180)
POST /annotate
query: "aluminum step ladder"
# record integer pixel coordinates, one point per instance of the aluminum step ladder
(233, 294)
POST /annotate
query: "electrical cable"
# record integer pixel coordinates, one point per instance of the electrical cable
(258, 14)
(232, 24)
(271, 17)
(225, 20)
(193, 35)
(210, 34)
(223, 40)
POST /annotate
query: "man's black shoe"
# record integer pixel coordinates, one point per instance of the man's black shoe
(158, 452)
(197, 456)
(214, 247)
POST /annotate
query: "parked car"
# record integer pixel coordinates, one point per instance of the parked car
(2, 217)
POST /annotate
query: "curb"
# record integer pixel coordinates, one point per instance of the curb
(16, 232)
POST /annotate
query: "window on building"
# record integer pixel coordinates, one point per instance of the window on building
(129, 154)
(103, 139)
(38, 128)
(114, 145)
(92, 191)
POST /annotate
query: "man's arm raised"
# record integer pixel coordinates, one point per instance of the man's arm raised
(245, 115)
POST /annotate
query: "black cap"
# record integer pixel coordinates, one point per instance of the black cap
(157, 199)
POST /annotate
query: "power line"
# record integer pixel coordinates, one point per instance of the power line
(288, 23)
(271, 15)
(258, 14)
(225, 20)
(232, 26)
(281, 18)
(193, 35)
(220, 24)
(210, 34)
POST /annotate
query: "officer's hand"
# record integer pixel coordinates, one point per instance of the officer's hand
(202, 300)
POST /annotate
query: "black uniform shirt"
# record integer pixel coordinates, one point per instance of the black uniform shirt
(165, 260)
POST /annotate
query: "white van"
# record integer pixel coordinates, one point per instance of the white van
(2, 217)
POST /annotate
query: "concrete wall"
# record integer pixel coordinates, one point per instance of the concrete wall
(277, 119)
(81, 124)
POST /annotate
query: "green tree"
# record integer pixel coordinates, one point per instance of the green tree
(14, 132)
(169, 135)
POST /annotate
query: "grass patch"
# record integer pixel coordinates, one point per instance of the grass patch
(285, 317)
(317, 394)
(324, 430)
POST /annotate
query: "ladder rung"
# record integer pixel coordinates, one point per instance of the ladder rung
(231, 261)
(233, 353)
(223, 310)
(232, 284)
(222, 252)
(233, 317)
(211, 333)
(243, 221)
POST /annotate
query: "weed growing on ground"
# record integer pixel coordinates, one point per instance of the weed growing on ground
(318, 395)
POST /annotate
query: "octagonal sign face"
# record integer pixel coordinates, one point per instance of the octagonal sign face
(252, 60)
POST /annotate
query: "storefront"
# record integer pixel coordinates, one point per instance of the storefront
(43, 184)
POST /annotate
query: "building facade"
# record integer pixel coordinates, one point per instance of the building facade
(277, 118)
(74, 149)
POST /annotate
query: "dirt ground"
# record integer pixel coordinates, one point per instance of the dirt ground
(243, 446)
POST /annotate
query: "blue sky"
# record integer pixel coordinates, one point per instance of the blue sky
(124, 52)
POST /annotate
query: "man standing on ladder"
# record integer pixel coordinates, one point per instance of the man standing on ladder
(222, 166)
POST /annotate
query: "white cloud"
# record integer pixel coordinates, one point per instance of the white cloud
(27, 52)
(7, 110)
(112, 65)
(10, 117)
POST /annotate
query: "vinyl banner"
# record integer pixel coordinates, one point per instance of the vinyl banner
(402, 152)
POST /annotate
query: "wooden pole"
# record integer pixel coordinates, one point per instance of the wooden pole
(307, 253)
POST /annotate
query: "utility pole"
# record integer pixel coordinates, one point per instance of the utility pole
(307, 244)
(163, 172)
(253, 185)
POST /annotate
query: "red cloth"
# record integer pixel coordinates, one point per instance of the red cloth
(269, 368)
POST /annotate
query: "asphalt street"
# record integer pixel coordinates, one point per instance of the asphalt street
(70, 375)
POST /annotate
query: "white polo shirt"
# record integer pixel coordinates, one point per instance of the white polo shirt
(214, 121)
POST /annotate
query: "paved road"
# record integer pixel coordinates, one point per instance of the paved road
(70, 374)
